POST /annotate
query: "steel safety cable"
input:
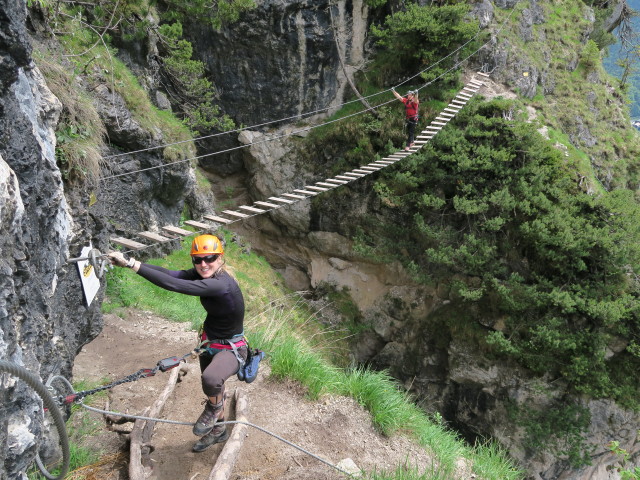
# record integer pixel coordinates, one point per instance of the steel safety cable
(226, 422)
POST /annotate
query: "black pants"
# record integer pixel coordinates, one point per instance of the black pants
(411, 127)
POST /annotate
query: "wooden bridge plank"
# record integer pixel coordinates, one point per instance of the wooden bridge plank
(154, 237)
(215, 218)
(236, 214)
(281, 200)
(177, 230)
(267, 204)
(252, 209)
(193, 223)
(125, 242)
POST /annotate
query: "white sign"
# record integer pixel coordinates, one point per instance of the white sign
(90, 281)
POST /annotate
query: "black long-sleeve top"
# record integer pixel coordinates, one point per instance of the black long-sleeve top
(220, 296)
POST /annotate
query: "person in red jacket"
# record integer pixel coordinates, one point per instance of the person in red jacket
(411, 105)
(223, 327)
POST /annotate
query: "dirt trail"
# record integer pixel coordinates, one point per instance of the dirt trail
(333, 428)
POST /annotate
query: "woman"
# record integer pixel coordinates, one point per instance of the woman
(221, 297)
(411, 105)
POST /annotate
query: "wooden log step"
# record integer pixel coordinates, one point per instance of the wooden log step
(193, 223)
(125, 242)
(252, 209)
(439, 123)
(267, 204)
(281, 200)
(358, 170)
(483, 74)
(313, 187)
(215, 218)
(177, 230)
(466, 96)
(154, 237)
(371, 169)
(353, 175)
(453, 110)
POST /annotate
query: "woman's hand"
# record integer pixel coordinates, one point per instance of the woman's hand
(118, 259)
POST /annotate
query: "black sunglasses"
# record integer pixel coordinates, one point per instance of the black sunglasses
(208, 259)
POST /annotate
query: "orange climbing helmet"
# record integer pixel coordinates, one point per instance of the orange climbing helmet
(207, 244)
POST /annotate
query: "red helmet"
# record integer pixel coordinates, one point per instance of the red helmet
(206, 244)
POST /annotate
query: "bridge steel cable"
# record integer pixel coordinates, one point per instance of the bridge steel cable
(455, 66)
(244, 212)
(300, 116)
(314, 112)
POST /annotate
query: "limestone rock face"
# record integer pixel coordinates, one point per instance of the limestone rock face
(281, 58)
(44, 316)
(36, 226)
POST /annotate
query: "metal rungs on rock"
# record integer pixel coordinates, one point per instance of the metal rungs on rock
(125, 242)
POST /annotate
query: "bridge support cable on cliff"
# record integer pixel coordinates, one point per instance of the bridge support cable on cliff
(244, 212)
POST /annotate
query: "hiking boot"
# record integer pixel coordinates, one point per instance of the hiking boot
(208, 418)
(217, 435)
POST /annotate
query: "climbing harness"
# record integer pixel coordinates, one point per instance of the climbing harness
(247, 369)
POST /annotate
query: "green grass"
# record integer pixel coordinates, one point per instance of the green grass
(281, 324)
